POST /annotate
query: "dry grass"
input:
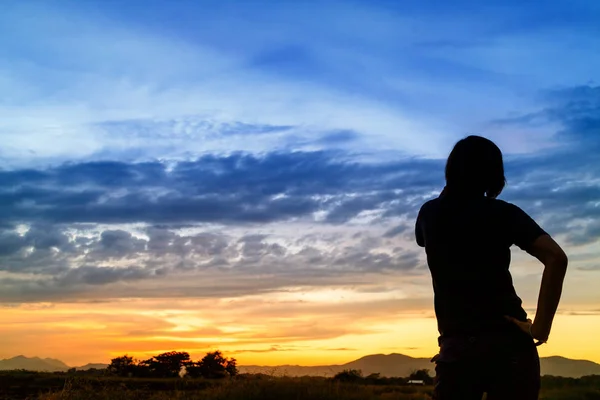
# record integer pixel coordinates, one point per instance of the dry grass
(259, 389)
(45, 386)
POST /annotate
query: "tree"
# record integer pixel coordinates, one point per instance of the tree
(231, 367)
(214, 366)
(421, 375)
(170, 364)
(349, 375)
(167, 364)
(193, 370)
(122, 366)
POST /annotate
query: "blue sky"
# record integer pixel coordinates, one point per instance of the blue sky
(412, 79)
(146, 141)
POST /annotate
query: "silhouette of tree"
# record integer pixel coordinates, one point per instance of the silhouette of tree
(349, 375)
(421, 375)
(194, 370)
(167, 364)
(231, 367)
(214, 366)
(122, 366)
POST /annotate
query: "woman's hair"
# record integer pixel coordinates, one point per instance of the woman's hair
(475, 167)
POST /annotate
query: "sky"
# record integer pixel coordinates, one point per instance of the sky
(245, 175)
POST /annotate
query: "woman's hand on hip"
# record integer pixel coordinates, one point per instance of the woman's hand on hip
(531, 329)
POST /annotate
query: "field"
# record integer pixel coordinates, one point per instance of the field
(46, 386)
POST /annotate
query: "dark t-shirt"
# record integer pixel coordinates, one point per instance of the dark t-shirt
(467, 241)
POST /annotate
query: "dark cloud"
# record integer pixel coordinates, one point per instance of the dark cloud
(209, 244)
(231, 189)
(558, 187)
(43, 237)
(10, 243)
(116, 244)
(254, 248)
(93, 275)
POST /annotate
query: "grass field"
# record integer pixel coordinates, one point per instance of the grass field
(40, 386)
(48, 387)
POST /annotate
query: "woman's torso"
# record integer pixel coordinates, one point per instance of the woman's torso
(467, 241)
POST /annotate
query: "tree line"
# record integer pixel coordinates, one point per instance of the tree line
(356, 376)
(173, 364)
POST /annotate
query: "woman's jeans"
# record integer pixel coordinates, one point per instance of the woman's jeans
(504, 365)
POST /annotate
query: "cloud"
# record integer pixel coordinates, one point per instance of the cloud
(340, 349)
(114, 263)
(93, 275)
(116, 244)
(271, 349)
(561, 185)
(398, 230)
(576, 109)
(247, 190)
(238, 188)
(10, 243)
(252, 90)
(339, 137)
(44, 237)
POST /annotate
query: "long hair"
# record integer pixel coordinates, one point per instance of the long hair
(475, 167)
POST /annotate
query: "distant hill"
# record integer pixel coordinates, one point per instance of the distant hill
(384, 364)
(33, 364)
(561, 366)
(41, 364)
(56, 363)
(390, 365)
(401, 365)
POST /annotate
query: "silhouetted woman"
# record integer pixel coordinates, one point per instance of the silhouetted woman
(487, 344)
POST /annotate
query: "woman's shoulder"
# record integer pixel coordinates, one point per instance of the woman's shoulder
(505, 207)
(430, 204)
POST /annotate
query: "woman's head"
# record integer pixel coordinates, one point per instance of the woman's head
(475, 167)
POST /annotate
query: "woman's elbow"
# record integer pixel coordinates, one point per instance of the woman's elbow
(559, 261)
(563, 260)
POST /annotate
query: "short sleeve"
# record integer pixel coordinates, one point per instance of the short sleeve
(523, 229)
(419, 229)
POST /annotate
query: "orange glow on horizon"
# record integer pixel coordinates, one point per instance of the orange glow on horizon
(82, 333)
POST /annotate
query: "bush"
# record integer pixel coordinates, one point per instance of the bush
(349, 375)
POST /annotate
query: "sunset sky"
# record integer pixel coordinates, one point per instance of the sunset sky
(244, 175)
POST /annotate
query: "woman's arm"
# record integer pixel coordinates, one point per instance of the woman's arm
(555, 263)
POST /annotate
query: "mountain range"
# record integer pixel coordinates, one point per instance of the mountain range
(41, 364)
(400, 365)
(384, 364)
